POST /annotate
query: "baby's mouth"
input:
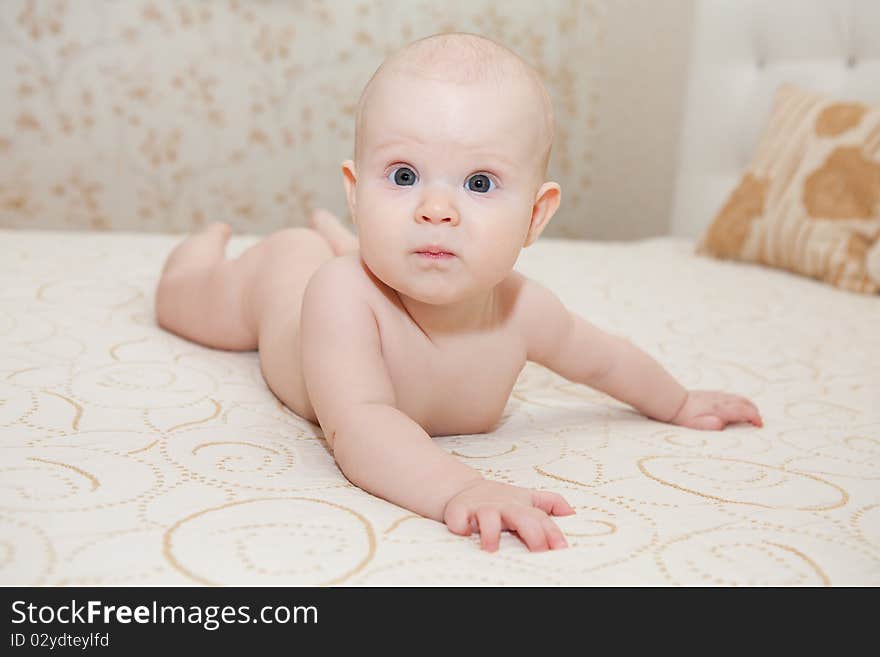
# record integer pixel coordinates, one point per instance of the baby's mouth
(434, 250)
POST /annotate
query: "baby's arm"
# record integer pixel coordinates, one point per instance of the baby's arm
(576, 349)
(382, 450)
(385, 452)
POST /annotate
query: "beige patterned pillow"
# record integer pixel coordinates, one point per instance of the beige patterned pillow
(809, 201)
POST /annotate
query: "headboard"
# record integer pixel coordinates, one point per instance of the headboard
(742, 51)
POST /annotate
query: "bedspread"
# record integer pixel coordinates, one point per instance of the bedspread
(131, 456)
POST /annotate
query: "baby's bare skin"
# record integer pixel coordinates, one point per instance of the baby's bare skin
(437, 380)
(386, 348)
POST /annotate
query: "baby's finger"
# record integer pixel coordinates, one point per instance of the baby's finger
(458, 520)
(527, 526)
(555, 537)
(753, 416)
(738, 413)
(553, 504)
(746, 401)
(706, 423)
(489, 522)
(749, 406)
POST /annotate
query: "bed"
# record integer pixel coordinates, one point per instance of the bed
(131, 456)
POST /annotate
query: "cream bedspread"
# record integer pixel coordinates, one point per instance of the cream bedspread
(130, 456)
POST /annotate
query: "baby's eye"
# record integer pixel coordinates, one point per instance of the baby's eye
(479, 182)
(403, 176)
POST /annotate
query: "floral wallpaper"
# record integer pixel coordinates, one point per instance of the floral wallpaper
(162, 115)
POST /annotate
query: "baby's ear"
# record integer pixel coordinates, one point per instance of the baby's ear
(545, 206)
(349, 178)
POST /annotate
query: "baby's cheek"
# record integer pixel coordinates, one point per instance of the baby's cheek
(499, 256)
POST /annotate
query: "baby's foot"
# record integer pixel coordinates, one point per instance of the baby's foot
(340, 239)
(219, 228)
(200, 249)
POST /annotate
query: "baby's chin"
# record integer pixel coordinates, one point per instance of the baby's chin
(441, 298)
(436, 292)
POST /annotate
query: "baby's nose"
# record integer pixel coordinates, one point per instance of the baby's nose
(437, 210)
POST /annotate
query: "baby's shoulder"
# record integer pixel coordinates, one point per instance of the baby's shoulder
(522, 292)
(342, 263)
(533, 307)
(347, 278)
(343, 270)
(334, 281)
(514, 293)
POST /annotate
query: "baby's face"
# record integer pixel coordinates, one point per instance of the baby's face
(458, 166)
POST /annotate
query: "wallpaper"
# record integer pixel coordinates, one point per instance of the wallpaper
(162, 115)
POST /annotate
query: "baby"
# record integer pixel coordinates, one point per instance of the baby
(421, 326)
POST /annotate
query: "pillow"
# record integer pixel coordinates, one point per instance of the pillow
(809, 201)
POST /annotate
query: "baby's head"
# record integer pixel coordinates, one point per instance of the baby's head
(452, 139)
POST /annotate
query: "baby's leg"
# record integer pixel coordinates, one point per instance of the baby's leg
(201, 296)
(340, 238)
(220, 303)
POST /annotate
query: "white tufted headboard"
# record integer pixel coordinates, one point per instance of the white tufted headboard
(742, 51)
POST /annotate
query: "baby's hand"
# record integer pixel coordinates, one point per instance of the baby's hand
(705, 409)
(490, 506)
